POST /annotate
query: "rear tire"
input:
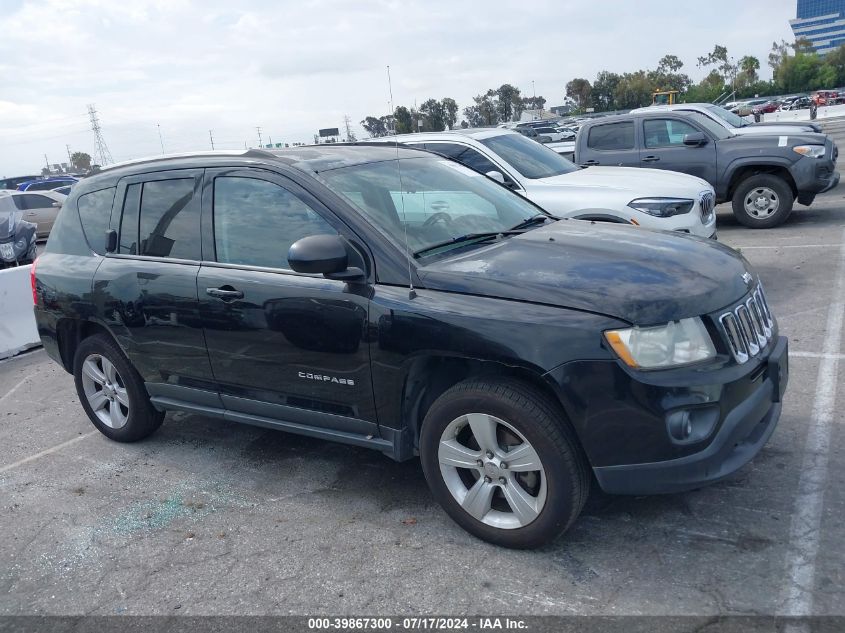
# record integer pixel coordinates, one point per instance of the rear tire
(112, 392)
(762, 201)
(479, 446)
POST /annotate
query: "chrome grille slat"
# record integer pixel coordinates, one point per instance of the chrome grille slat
(749, 326)
(706, 203)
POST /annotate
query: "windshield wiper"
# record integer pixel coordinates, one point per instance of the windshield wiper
(464, 238)
(534, 219)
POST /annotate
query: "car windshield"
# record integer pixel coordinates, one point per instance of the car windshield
(432, 201)
(727, 116)
(527, 157)
(710, 125)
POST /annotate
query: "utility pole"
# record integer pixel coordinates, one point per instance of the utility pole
(69, 161)
(258, 129)
(350, 137)
(270, 140)
(160, 139)
(47, 162)
(102, 148)
(211, 138)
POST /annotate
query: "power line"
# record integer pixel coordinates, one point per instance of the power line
(102, 148)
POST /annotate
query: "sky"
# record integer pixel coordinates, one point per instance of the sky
(187, 67)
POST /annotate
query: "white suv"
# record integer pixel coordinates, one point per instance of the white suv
(652, 198)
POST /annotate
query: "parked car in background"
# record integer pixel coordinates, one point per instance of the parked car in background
(531, 133)
(796, 103)
(826, 97)
(12, 183)
(17, 235)
(521, 357)
(733, 123)
(38, 207)
(761, 175)
(766, 108)
(64, 190)
(47, 184)
(555, 135)
(655, 199)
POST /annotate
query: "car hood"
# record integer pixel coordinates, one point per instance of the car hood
(642, 277)
(8, 223)
(634, 180)
(774, 128)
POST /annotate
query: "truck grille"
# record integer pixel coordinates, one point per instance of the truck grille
(707, 203)
(748, 327)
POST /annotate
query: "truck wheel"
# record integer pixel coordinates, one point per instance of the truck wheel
(111, 391)
(762, 201)
(502, 463)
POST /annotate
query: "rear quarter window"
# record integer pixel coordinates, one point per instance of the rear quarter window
(611, 136)
(94, 215)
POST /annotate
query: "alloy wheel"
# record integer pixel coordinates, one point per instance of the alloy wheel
(105, 391)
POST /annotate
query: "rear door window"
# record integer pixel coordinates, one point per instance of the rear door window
(94, 213)
(666, 132)
(611, 136)
(170, 219)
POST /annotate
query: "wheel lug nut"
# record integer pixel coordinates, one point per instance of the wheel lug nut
(503, 481)
(503, 466)
(489, 454)
(478, 462)
(487, 480)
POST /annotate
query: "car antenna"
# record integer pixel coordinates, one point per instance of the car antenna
(412, 294)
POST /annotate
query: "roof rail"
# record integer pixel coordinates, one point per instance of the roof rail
(248, 153)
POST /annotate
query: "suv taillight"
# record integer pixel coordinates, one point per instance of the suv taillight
(32, 281)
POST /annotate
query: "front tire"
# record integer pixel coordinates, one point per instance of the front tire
(112, 392)
(762, 201)
(502, 463)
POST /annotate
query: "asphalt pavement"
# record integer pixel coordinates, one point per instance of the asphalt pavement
(209, 517)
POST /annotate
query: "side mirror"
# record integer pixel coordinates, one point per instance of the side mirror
(111, 241)
(323, 255)
(696, 139)
(57, 205)
(496, 175)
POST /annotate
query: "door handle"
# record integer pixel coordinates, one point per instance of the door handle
(651, 159)
(590, 163)
(227, 293)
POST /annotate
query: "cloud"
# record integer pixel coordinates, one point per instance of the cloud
(191, 66)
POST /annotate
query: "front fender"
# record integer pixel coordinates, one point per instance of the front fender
(726, 181)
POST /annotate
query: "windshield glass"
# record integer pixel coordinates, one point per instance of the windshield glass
(529, 158)
(710, 125)
(438, 201)
(727, 116)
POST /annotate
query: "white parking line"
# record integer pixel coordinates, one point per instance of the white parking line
(804, 534)
(16, 387)
(815, 355)
(744, 248)
(48, 451)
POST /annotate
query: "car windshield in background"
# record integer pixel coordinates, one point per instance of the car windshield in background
(438, 201)
(727, 116)
(529, 158)
(710, 125)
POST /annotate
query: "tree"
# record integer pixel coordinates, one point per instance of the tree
(748, 67)
(533, 103)
(604, 90)
(667, 75)
(724, 64)
(835, 61)
(779, 52)
(80, 161)
(633, 90)
(433, 116)
(579, 91)
(450, 111)
(375, 127)
(403, 119)
(508, 103)
(708, 89)
(799, 72)
(484, 112)
(669, 64)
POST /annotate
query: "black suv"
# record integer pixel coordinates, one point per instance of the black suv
(390, 298)
(761, 175)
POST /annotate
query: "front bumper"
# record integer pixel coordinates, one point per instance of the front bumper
(741, 435)
(813, 176)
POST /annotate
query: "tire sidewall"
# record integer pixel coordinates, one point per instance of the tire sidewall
(559, 509)
(780, 186)
(138, 422)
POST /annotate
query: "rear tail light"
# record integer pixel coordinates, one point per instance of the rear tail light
(32, 282)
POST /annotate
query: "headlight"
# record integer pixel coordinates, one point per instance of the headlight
(20, 244)
(811, 151)
(662, 207)
(676, 343)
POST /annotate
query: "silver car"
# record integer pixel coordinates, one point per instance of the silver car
(39, 207)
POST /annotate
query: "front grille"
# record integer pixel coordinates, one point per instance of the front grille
(748, 327)
(707, 203)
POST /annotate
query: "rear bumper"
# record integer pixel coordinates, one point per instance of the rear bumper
(740, 436)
